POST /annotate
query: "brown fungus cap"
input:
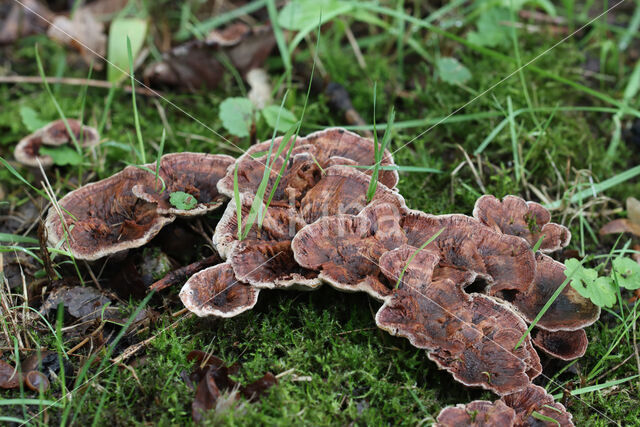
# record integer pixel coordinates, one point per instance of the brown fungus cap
(105, 217)
(343, 190)
(125, 211)
(564, 345)
(196, 174)
(535, 398)
(506, 262)
(470, 335)
(528, 220)
(346, 249)
(479, 413)
(215, 291)
(569, 312)
(319, 150)
(27, 151)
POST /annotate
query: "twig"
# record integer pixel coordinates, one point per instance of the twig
(72, 81)
(183, 272)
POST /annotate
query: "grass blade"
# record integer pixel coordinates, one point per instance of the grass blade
(136, 118)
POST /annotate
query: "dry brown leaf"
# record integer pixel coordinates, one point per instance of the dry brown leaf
(84, 33)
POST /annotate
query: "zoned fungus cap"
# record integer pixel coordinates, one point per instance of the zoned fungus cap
(479, 413)
(506, 262)
(515, 410)
(569, 312)
(346, 249)
(125, 211)
(565, 345)
(215, 291)
(27, 151)
(528, 220)
(536, 399)
(196, 174)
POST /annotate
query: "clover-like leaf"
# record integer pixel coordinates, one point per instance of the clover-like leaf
(452, 71)
(182, 200)
(581, 278)
(62, 155)
(491, 29)
(237, 115)
(603, 292)
(31, 119)
(286, 120)
(627, 272)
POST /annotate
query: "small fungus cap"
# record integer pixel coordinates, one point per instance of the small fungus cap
(215, 291)
(564, 345)
(569, 312)
(196, 174)
(535, 399)
(346, 249)
(128, 209)
(27, 151)
(105, 217)
(321, 150)
(479, 413)
(505, 262)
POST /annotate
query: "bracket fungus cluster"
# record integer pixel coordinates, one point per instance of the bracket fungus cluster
(463, 288)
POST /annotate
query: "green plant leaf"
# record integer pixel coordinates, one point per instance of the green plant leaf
(600, 290)
(62, 155)
(627, 272)
(301, 14)
(491, 32)
(236, 115)
(450, 70)
(582, 277)
(603, 292)
(121, 28)
(287, 118)
(31, 119)
(182, 200)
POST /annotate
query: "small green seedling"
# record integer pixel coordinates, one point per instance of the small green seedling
(182, 200)
(602, 291)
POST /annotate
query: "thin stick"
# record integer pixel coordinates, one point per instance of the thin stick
(183, 272)
(74, 81)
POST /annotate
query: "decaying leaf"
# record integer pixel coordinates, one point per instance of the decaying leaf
(84, 33)
(631, 224)
(23, 19)
(216, 386)
(201, 64)
(80, 301)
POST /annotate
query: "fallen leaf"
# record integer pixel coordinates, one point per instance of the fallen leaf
(80, 301)
(198, 64)
(216, 390)
(84, 33)
(622, 225)
(23, 19)
(633, 210)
